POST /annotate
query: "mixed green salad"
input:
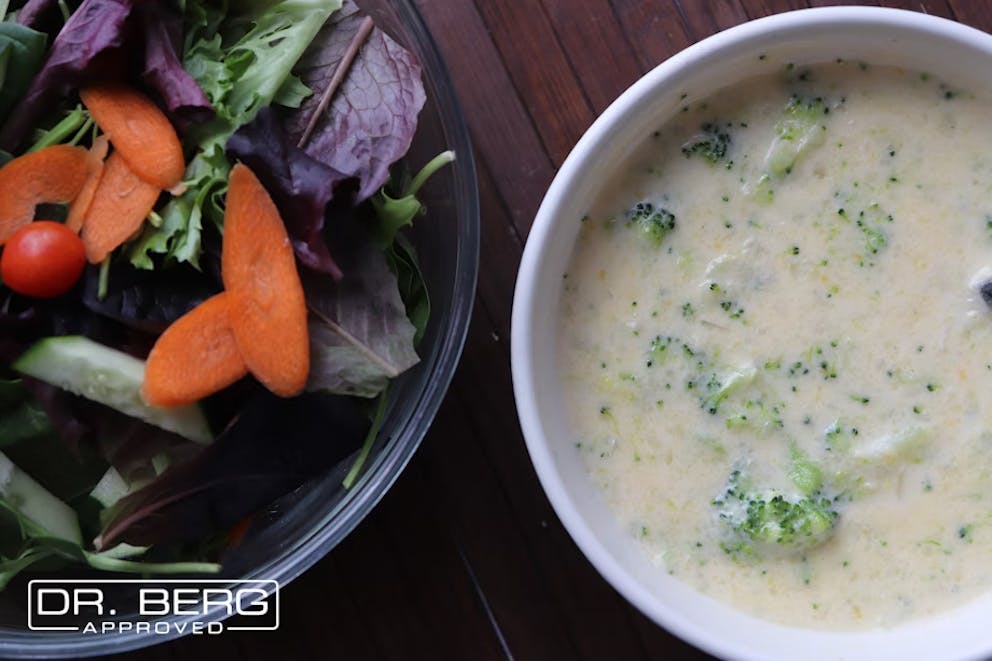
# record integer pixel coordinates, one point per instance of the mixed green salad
(305, 111)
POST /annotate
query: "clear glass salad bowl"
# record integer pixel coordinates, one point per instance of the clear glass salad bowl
(299, 529)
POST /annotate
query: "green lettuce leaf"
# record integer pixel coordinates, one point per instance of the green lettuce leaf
(243, 61)
(22, 51)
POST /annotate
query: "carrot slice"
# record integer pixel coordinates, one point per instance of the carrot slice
(52, 174)
(94, 161)
(120, 205)
(268, 310)
(238, 532)
(138, 130)
(196, 356)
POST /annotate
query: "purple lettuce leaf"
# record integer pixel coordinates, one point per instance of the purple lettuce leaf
(81, 50)
(300, 186)
(372, 118)
(272, 448)
(161, 28)
(129, 444)
(147, 301)
(24, 320)
(37, 14)
(62, 409)
(66, 474)
(360, 335)
(87, 428)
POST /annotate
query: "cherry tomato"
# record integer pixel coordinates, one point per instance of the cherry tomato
(43, 259)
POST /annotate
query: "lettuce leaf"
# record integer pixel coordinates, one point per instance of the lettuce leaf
(147, 302)
(273, 447)
(242, 61)
(22, 51)
(35, 13)
(80, 50)
(373, 115)
(300, 186)
(360, 335)
(162, 29)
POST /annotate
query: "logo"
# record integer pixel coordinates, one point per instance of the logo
(153, 606)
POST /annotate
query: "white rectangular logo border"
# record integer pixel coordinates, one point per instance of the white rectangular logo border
(275, 594)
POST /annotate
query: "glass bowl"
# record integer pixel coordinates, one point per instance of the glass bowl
(299, 529)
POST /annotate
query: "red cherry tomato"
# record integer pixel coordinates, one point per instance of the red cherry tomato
(43, 259)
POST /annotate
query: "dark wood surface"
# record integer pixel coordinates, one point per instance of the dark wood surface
(464, 558)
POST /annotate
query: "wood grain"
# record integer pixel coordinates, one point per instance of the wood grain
(465, 558)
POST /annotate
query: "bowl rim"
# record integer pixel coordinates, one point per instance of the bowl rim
(386, 468)
(543, 234)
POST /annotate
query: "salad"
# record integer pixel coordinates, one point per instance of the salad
(206, 285)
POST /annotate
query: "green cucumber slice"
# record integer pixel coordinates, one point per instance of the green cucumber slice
(110, 377)
(36, 504)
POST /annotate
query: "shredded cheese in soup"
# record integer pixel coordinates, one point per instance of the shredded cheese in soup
(775, 349)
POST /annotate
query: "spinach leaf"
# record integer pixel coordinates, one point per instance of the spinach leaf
(21, 53)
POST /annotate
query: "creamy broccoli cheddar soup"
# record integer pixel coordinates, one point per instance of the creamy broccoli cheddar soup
(776, 345)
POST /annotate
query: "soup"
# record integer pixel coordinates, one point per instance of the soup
(775, 350)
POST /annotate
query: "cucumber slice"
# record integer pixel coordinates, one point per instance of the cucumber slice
(33, 502)
(111, 488)
(111, 377)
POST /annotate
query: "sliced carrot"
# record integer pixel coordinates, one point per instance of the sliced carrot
(196, 356)
(138, 130)
(54, 174)
(238, 532)
(121, 203)
(94, 161)
(268, 310)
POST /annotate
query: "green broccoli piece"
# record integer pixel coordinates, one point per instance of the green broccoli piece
(712, 143)
(653, 223)
(725, 386)
(769, 520)
(796, 133)
(756, 415)
(804, 472)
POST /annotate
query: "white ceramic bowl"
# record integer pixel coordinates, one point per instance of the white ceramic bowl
(877, 36)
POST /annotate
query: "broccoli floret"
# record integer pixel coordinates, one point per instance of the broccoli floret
(712, 143)
(653, 223)
(769, 520)
(800, 129)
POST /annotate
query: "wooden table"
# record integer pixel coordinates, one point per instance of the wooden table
(464, 558)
